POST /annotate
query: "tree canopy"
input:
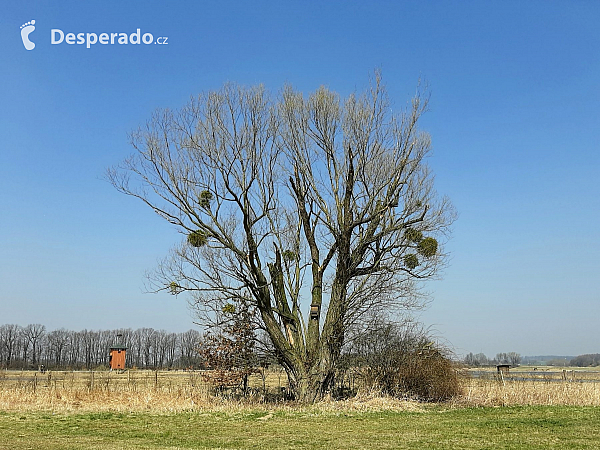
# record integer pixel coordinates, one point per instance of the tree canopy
(313, 209)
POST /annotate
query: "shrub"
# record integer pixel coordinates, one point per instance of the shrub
(229, 350)
(429, 378)
(402, 361)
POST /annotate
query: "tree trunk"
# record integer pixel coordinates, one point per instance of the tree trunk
(308, 389)
(312, 383)
(313, 386)
(245, 385)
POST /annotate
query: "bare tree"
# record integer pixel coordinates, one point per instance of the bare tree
(164, 348)
(74, 349)
(24, 345)
(149, 347)
(34, 333)
(514, 359)
(89, 339)
(57, 342)
(297, 203)
(189, 346)
(9, 339)
(502, 358)
(171, 342)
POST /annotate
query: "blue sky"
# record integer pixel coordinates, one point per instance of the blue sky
(514, 120)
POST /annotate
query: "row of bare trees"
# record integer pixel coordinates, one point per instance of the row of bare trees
(480, 359)
(32, 346)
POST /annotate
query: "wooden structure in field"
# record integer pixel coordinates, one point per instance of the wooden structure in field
(117, 356)
(503, 368)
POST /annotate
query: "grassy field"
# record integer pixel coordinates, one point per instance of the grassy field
(175, 410)
(432, 427)
(64, 391)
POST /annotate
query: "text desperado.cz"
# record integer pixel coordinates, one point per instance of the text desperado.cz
(58, 37)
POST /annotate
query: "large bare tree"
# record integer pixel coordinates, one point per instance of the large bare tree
(314, 209)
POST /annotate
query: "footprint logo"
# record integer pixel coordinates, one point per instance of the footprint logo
(26, 30)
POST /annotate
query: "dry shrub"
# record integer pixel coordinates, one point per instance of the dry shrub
(229, 350)
(424, 376)
(429, 377)
(402, 360)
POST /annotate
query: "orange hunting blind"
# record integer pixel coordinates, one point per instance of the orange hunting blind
(117, 357)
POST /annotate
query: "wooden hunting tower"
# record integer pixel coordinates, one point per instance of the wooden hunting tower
(503, 368)
(117, 355)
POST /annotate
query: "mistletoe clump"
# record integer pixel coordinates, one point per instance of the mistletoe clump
(411, 261)
(228, 309)
(204, 199)
(413, 235)
(427, 247)
(197, 238)
(289, 255)
(174, 288)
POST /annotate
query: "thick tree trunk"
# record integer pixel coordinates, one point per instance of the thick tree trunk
(309, 390)
(312, 385)
(310, 367)
(311, 379)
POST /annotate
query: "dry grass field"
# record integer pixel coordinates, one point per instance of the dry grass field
(173, 391)
(157, 391)
(176, 410)
(547, 392)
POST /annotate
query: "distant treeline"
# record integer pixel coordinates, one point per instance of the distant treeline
(590, 360)
(32, 346)
(514, 359)
(547, 360)
(481, 360)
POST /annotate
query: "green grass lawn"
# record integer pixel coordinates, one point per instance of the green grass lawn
(537, 427)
